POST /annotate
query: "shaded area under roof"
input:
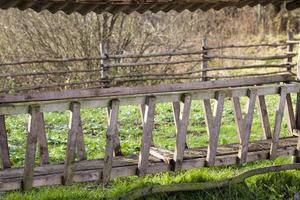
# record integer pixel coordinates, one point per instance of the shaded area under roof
(129, 6)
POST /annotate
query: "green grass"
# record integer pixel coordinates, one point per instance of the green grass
(270, 186)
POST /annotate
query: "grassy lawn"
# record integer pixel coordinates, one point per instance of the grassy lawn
(271, 186)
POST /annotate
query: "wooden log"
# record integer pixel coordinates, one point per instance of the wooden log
(182, 131)
(243, 149)
(104, 62)
(42, 139)
(71, 143)
(264, 117)
(278, 121)
(116, 138)
(204, 65)
(262, 58)
(147, 136)
(290, 49)
(33, 130)
(246, 46)
(4, 150)
(289, 113)
(214, 129)
(238, 116)
(80, 147)
(176, 115)
(125, 91)
(109, 148)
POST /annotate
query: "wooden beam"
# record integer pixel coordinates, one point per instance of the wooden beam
(71, 143)
(109, 148)
(33, 130)
(243, 149)
(147, 136)
(4, 150)
(182, 131)
(289, 113)
(213, 127)
(264, 117)
(80, 147)
(116, 138)
(176, 115)
(42, 140)
(278, 121)
(144, 90)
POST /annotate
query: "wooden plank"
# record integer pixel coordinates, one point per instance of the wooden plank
(214, 130)
(71, 143)
(116, 138)
(33, 130)
(109, 148)
(289, 113)
(243, 149)
(42, 140)
(204, 62)
(264, 117)
(4, 150)
(104, 62)
(176, 116)
(181, 134)
(238, 116)
(80, 147)
(147, 136)
(123, 91)
(278, 121)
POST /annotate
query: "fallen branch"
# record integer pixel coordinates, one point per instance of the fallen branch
(187, 187)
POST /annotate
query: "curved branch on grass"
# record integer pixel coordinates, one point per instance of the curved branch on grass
(188, 187)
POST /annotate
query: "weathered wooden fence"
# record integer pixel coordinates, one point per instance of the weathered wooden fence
(255, 86)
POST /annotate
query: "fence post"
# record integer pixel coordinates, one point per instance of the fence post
(297, 156)
(103, 63)
(204, 62)
(290, 49)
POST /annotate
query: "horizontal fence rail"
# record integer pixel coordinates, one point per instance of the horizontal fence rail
(108, 70)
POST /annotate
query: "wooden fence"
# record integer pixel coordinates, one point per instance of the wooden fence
(151, 159)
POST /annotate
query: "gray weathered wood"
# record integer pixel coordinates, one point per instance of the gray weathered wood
(109, 148)
(176, 116)
(238, 116)
(243, 150)
(4, 151)
(278, 121)
(298, 94)
(264, 117)
(214, 129)
(42, 140)
(116, 138)
(33, 130)
(289, 113)
(80, 147)
(290, 48)
(144, 90)
(147, 136)
(71, 143)
(204, 62)
(182, 131)
(104, 62)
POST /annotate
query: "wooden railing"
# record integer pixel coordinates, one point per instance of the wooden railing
(152, 159)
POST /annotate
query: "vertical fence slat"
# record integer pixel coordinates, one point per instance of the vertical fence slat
(116, 138)
(109, 148)
(71, 143)
(238, 116)
(80, 147)
(181, 133)
(214, 130)
(243, 150)
(278, 121)
(176, 116)
(42, 140)
(290, 116)
(5, 160)
(33, 130)
(264, 117)
(147, 136)
(104, 62)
